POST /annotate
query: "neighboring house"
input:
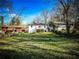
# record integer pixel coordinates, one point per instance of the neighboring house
(34, 27)
(14, 28)
(61, 26)
(31, 29)
(11, 28)
(57, 25)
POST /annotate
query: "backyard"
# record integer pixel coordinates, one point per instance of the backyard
(45, 45)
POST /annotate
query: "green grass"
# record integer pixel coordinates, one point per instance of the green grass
(39, 46)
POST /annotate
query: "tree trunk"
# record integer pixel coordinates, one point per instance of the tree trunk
(67, 25)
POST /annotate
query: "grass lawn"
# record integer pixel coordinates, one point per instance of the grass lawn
(39, 46)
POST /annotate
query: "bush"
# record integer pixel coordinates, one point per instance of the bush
(2, 36)
(40, 30)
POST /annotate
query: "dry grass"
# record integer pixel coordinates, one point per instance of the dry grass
(39, 46)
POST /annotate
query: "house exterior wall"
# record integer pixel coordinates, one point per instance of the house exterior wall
(15, 29)
(34, 28)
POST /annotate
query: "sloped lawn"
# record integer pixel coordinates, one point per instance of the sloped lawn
(39, 46)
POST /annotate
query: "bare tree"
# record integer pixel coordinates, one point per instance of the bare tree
(5, 8)
(45, 16)
(76, 13)
(15, 21)
(66, 4)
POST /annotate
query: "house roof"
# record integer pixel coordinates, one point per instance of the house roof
(61, 23)
(37, 24)
(16, 26)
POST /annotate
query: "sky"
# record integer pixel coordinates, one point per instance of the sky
(29, 9)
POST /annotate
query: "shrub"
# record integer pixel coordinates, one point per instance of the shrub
(40, 30)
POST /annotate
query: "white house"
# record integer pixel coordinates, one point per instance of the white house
(34, 27)
(31, 29)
